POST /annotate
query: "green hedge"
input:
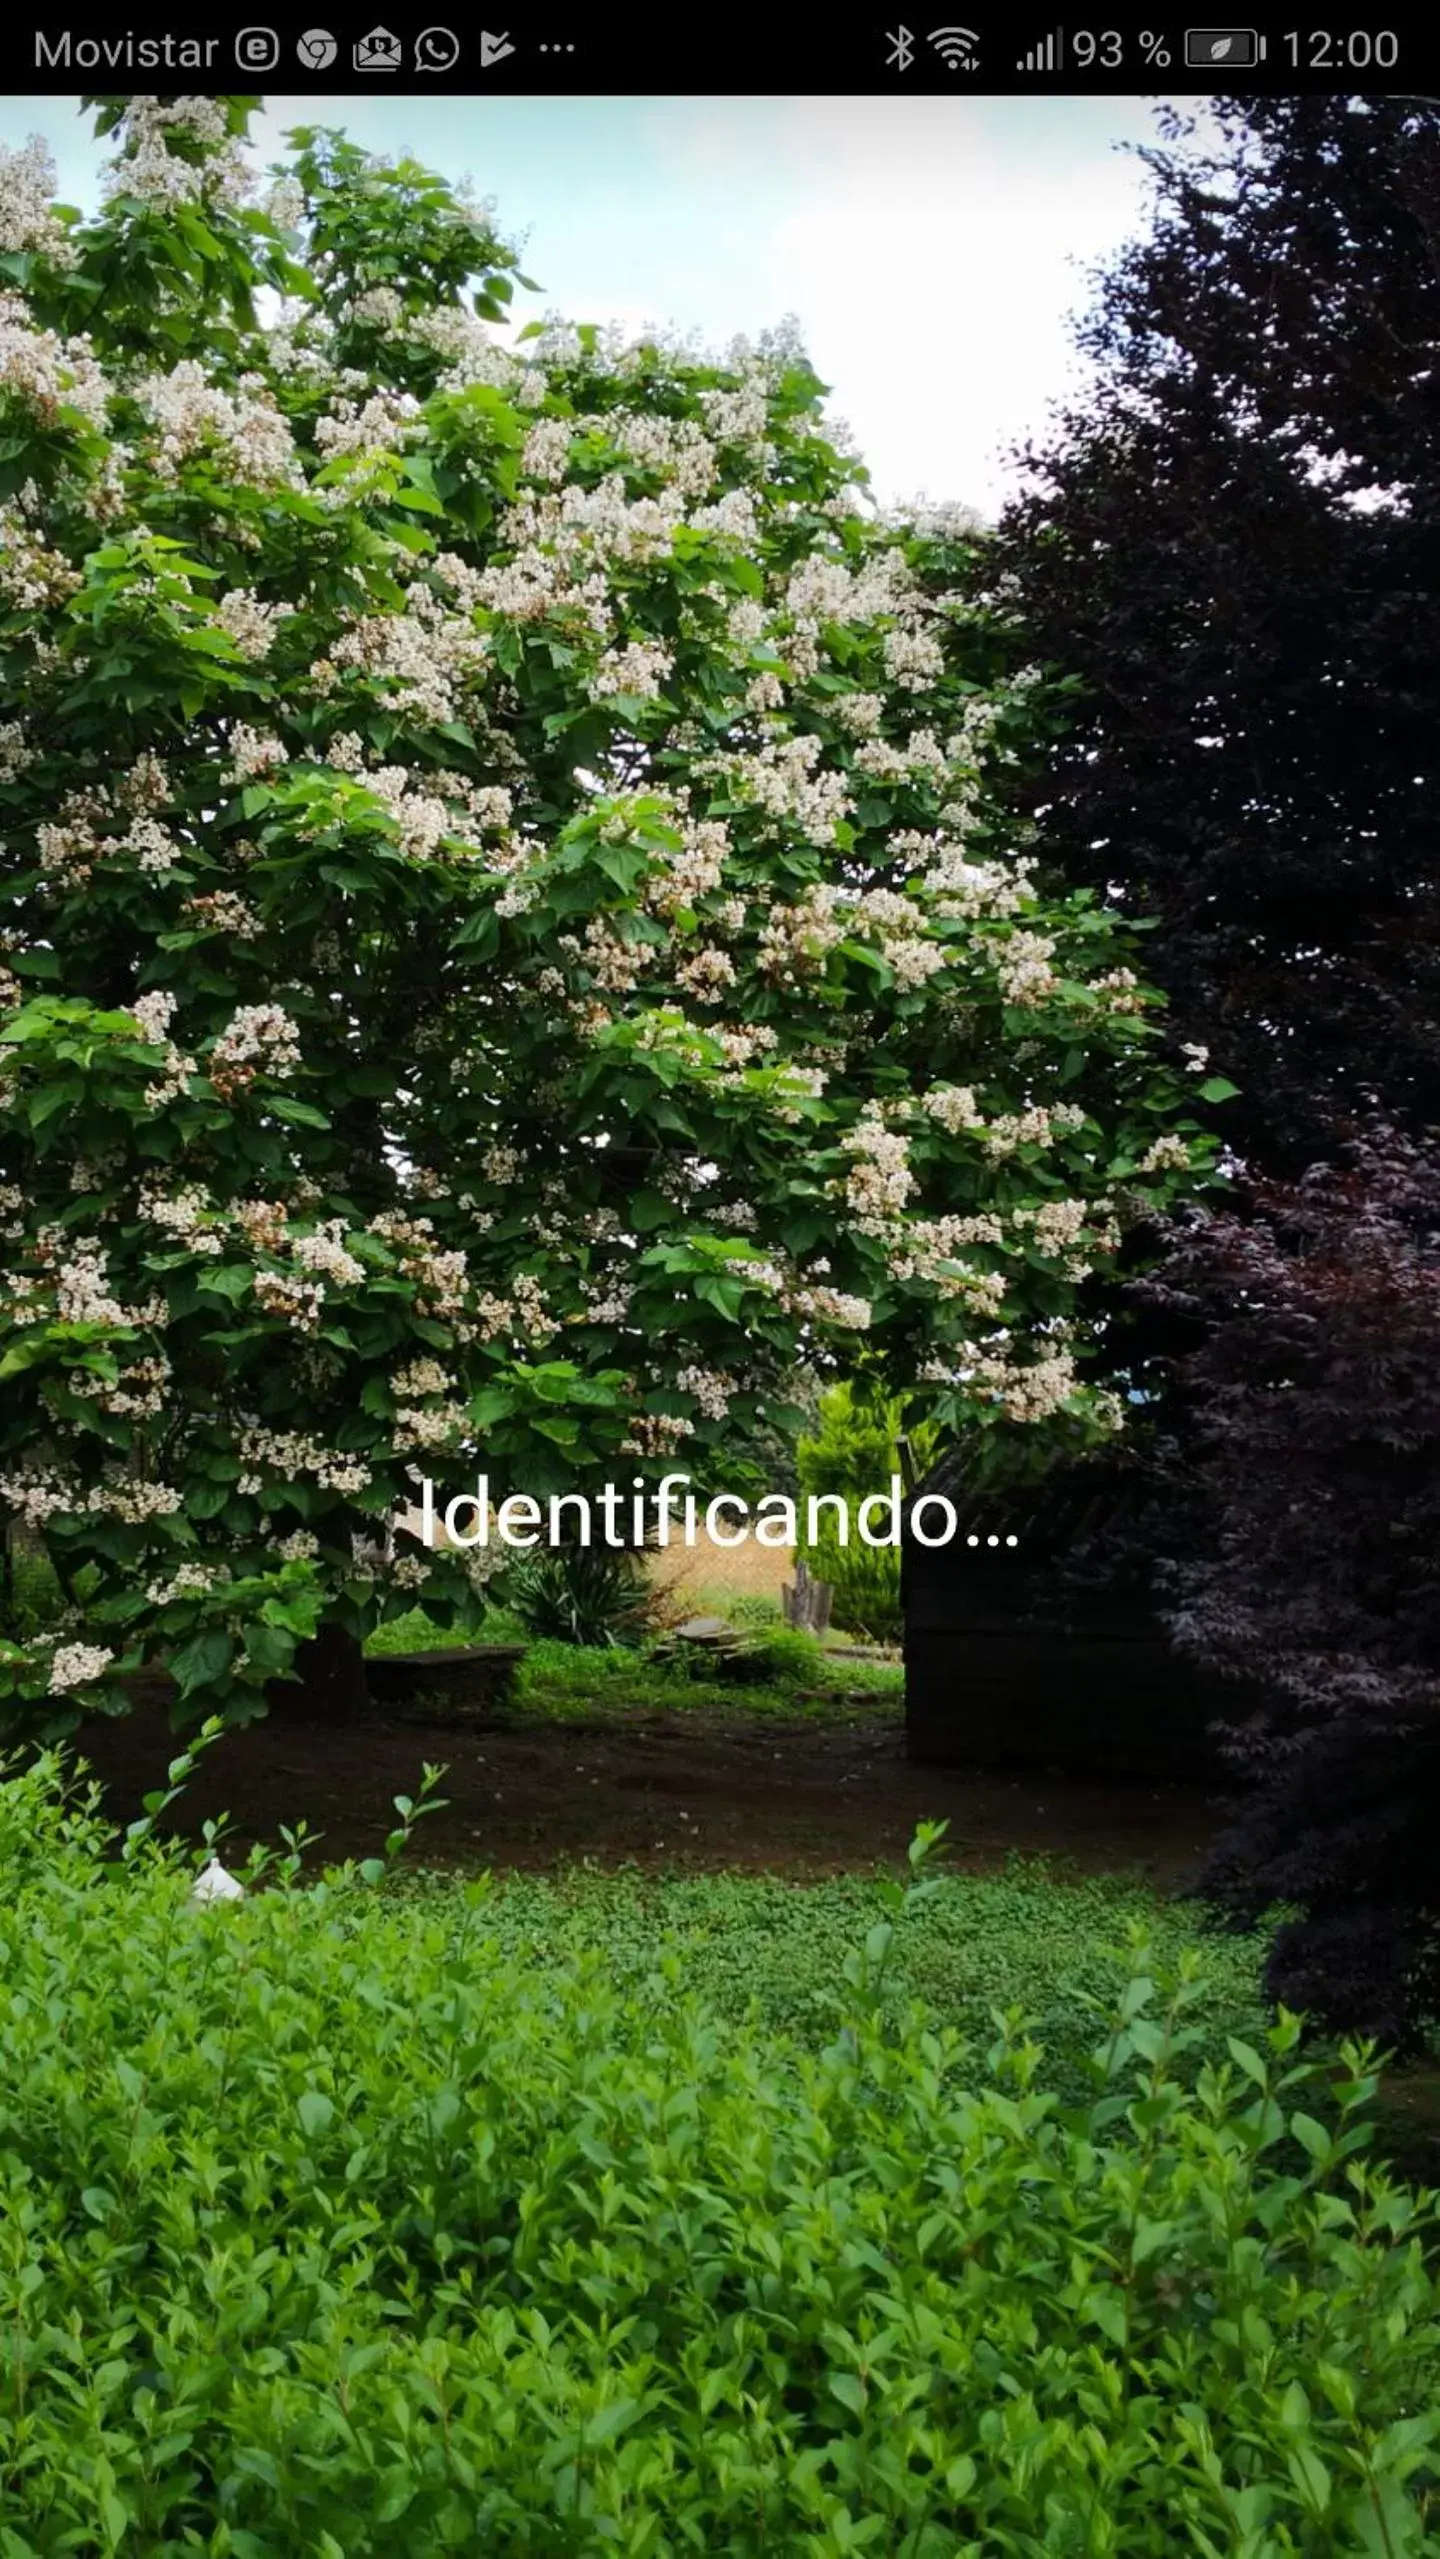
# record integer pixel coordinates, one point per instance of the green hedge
(332, 2228)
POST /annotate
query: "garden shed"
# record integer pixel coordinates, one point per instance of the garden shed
(1030, 1640)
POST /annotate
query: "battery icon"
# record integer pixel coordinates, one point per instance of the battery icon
(1222, 48)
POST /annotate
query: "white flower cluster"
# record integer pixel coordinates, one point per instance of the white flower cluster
(913, 659)
(35, 1497)
(654, 1435)
(383, 424)
(254, 754)
(441, 1278)
(880, 1180)
(250, 624)
(602, 525)
(426, 655)
(291, 1454)
(827, 1305)
(297, 1302)
(1166, 1155)
(898, 925)
(283, 203)
(47, 372)
(31, 574)
(378, 307)
(257, 1039)
(250, 436)
(740, 416)
(706, 974)
(27, 216)
(78, 1666)
(324, 1251)
(82, 1288)
(1023, 968)
(422, 1377)
(795, 940)
(531, 587)
(1121, 990)
(822, 591)
(732, 520)
(546, 450)
(943, 520)
(765, 693)
(154, 847)
(1029, 1393)
(781, 779)
(711, 1388)
(953, 1106)
(1037, 1126)
(146, 166)
(640, 668)
(927, 1249)
(133, 1501)
(681, 879)
(1058, 1226)
(614, 964)
(223, 911)
(858, 713)
(607, 1304)
(965, 891)
(154, 1013)
(430, 1425)
(188, 1581)
(674, 448)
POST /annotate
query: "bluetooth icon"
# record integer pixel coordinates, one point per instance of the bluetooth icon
(902, 49)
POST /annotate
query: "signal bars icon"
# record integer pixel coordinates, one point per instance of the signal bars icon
(1046, 56)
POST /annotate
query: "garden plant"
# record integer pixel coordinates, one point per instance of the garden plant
(332, 2228)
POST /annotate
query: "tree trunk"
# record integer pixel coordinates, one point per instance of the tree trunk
(332, 1687)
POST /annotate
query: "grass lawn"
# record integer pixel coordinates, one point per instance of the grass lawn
(812, 1681)
(758, 1947)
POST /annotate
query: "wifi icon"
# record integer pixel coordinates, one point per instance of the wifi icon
(955, 46)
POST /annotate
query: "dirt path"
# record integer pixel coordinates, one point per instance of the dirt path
(698, 1788)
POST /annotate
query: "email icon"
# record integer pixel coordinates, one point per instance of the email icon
(379, 51)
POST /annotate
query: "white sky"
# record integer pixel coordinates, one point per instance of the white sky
(931, 249)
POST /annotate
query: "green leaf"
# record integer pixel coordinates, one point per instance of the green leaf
(300, 1114)
(1386, 2521)
(602, 2425)
(316, 2112)
(1310, 2476)
(1105, 2305)
(1248, 2060)
(203, 1661)
(1312, 2136)
(1150, 2238)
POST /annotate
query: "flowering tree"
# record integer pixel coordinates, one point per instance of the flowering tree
(509, 939)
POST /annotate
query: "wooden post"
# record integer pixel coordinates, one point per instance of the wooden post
(807, 1603)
